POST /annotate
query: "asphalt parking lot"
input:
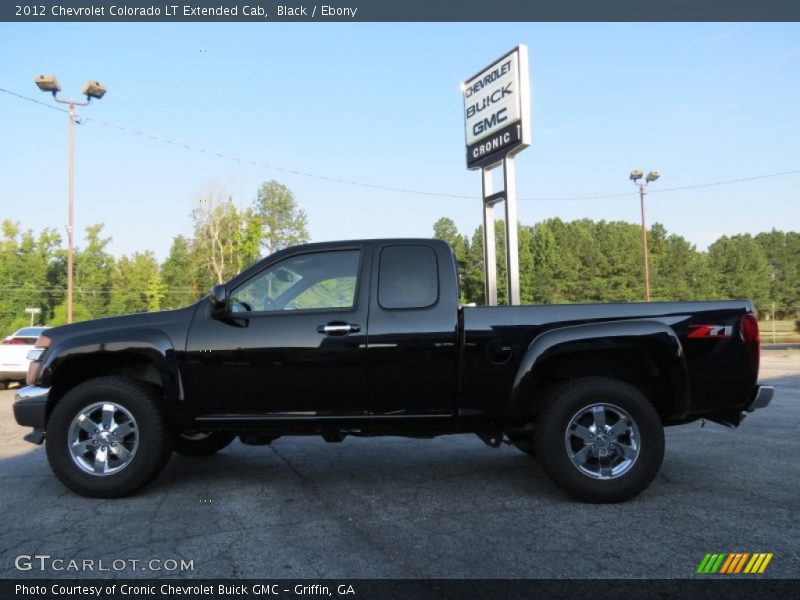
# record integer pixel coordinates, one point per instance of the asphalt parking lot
(390, 507)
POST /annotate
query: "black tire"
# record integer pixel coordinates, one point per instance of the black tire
(153, 435)
(201, 444)
(522, 440)
(551, 442)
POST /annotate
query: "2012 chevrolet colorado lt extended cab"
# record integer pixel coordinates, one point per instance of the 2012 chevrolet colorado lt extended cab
(367, 338)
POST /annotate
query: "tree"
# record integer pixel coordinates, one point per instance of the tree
(94, 268)
(544, 264)
(677, 270)
(740, 269)
(136, 285)
(445, 229)
(283, 222)
(782, 250)
(79, 313)
(179, 275)
(226, 239)
(25, 270)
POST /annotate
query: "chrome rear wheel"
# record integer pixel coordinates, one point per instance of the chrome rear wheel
(602, 441)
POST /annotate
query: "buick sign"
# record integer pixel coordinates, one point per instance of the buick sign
(497, 109)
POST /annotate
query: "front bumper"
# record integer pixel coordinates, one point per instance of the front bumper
(30, 408)
(761, 397)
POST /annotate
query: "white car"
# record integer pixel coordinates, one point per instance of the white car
(14, 354)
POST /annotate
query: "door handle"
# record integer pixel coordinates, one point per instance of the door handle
(338, 328)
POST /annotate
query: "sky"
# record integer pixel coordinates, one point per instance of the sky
(380, 104)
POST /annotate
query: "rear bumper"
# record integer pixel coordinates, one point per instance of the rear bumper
(30, 408)
(762, 396)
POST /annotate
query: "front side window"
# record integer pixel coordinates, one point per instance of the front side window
(319, 280)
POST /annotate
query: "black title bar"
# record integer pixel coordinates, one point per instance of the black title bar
(399, 10)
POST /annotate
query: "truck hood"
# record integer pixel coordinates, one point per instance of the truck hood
(163, 320)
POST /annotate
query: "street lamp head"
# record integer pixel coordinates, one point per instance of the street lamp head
(48, 83)
(636, 174)
(94, 89)
(652, 176)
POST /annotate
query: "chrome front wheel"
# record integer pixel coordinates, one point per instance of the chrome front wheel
(103, 438)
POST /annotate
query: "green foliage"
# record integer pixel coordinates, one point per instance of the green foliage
(331, 293)
(94, 269)
(283, 223)
(782, 251)
(26, 277)
(445, 229)
(588, 261)
(225, 239)
(136, 284)
(739, 269)
(560, 261)
(79, 313)
(179, 275)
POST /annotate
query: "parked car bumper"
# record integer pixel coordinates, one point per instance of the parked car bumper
(30, 408)
(13, 372)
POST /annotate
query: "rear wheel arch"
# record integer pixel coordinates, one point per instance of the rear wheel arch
(637, 367)
(645, 354)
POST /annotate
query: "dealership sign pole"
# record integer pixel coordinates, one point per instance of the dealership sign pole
(497, 108)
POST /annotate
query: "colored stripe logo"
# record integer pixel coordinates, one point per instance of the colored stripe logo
(734, 562)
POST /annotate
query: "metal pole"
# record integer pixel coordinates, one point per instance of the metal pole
(31, 319)
(512, 244)
(70, 202)
(489, 243)
(773, 323)
(642, 197)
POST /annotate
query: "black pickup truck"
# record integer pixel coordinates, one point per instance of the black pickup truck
(367, 338)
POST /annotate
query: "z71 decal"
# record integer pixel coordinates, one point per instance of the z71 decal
(710, 331)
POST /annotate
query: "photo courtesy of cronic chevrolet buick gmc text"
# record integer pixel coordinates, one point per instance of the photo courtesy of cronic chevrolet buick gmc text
(367, 338)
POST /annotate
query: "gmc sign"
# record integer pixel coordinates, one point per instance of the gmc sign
(497, 109)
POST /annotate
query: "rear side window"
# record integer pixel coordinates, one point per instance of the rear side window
(408, 277)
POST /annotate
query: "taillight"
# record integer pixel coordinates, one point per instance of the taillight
(752, 338)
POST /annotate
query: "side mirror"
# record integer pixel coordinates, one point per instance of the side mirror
(218, 299)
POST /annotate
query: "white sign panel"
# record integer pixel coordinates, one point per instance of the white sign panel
(497, 109)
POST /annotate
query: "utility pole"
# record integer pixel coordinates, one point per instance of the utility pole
(92, 89)
(651, 176)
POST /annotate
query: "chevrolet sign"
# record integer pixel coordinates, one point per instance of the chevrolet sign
(497, 109)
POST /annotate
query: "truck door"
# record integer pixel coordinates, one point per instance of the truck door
(291, 345)
(412, 346)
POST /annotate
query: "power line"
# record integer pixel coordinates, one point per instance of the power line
(352, 182)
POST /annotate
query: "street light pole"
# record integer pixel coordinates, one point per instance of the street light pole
(635, 176)
(70, 199)
(92, 89)
(645, 252)
(70, 208)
